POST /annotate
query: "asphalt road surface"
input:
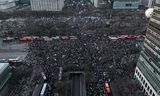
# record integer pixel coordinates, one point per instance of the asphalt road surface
(12, 50)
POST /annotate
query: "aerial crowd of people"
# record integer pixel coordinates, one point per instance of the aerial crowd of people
(107, 59)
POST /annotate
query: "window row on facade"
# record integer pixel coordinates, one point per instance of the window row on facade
(154, 25)
(156, 14)
(153, 39)
(152, 51)
(155, 32)
(150, 54)
(151, 65)
(152, 57)
(153, 47)
(147, 89)
(155, 20)
(157, 7)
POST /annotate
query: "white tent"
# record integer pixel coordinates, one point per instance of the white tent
(149, 12)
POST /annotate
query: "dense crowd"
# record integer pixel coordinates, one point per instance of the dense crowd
(36, 26)
(97, 21)
(108, 60)
(123, 24)
(78, 6)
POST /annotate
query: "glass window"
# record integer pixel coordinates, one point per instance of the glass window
(148, 88)
(128, 5)
(146, 85)
(153, 94)
(144, 82)
(142, 79)
(150, 92)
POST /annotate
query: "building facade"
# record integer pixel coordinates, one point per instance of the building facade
(6, 4)
(147, 71)
(96, 2)
(23, 2)
(100, 3)
(148, 3)
(5, 74)
(47, 5)
(126, 4)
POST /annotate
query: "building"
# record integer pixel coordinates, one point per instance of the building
(151, 3)
(100, 3)
(147, 71)
(23, 2)
(47, 5)
(5, 74)
(95, 2)
(148, 3)
(126, 4)
(6, 4)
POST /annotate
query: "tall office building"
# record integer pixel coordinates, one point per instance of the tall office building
(148, 67)
(47, 5)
